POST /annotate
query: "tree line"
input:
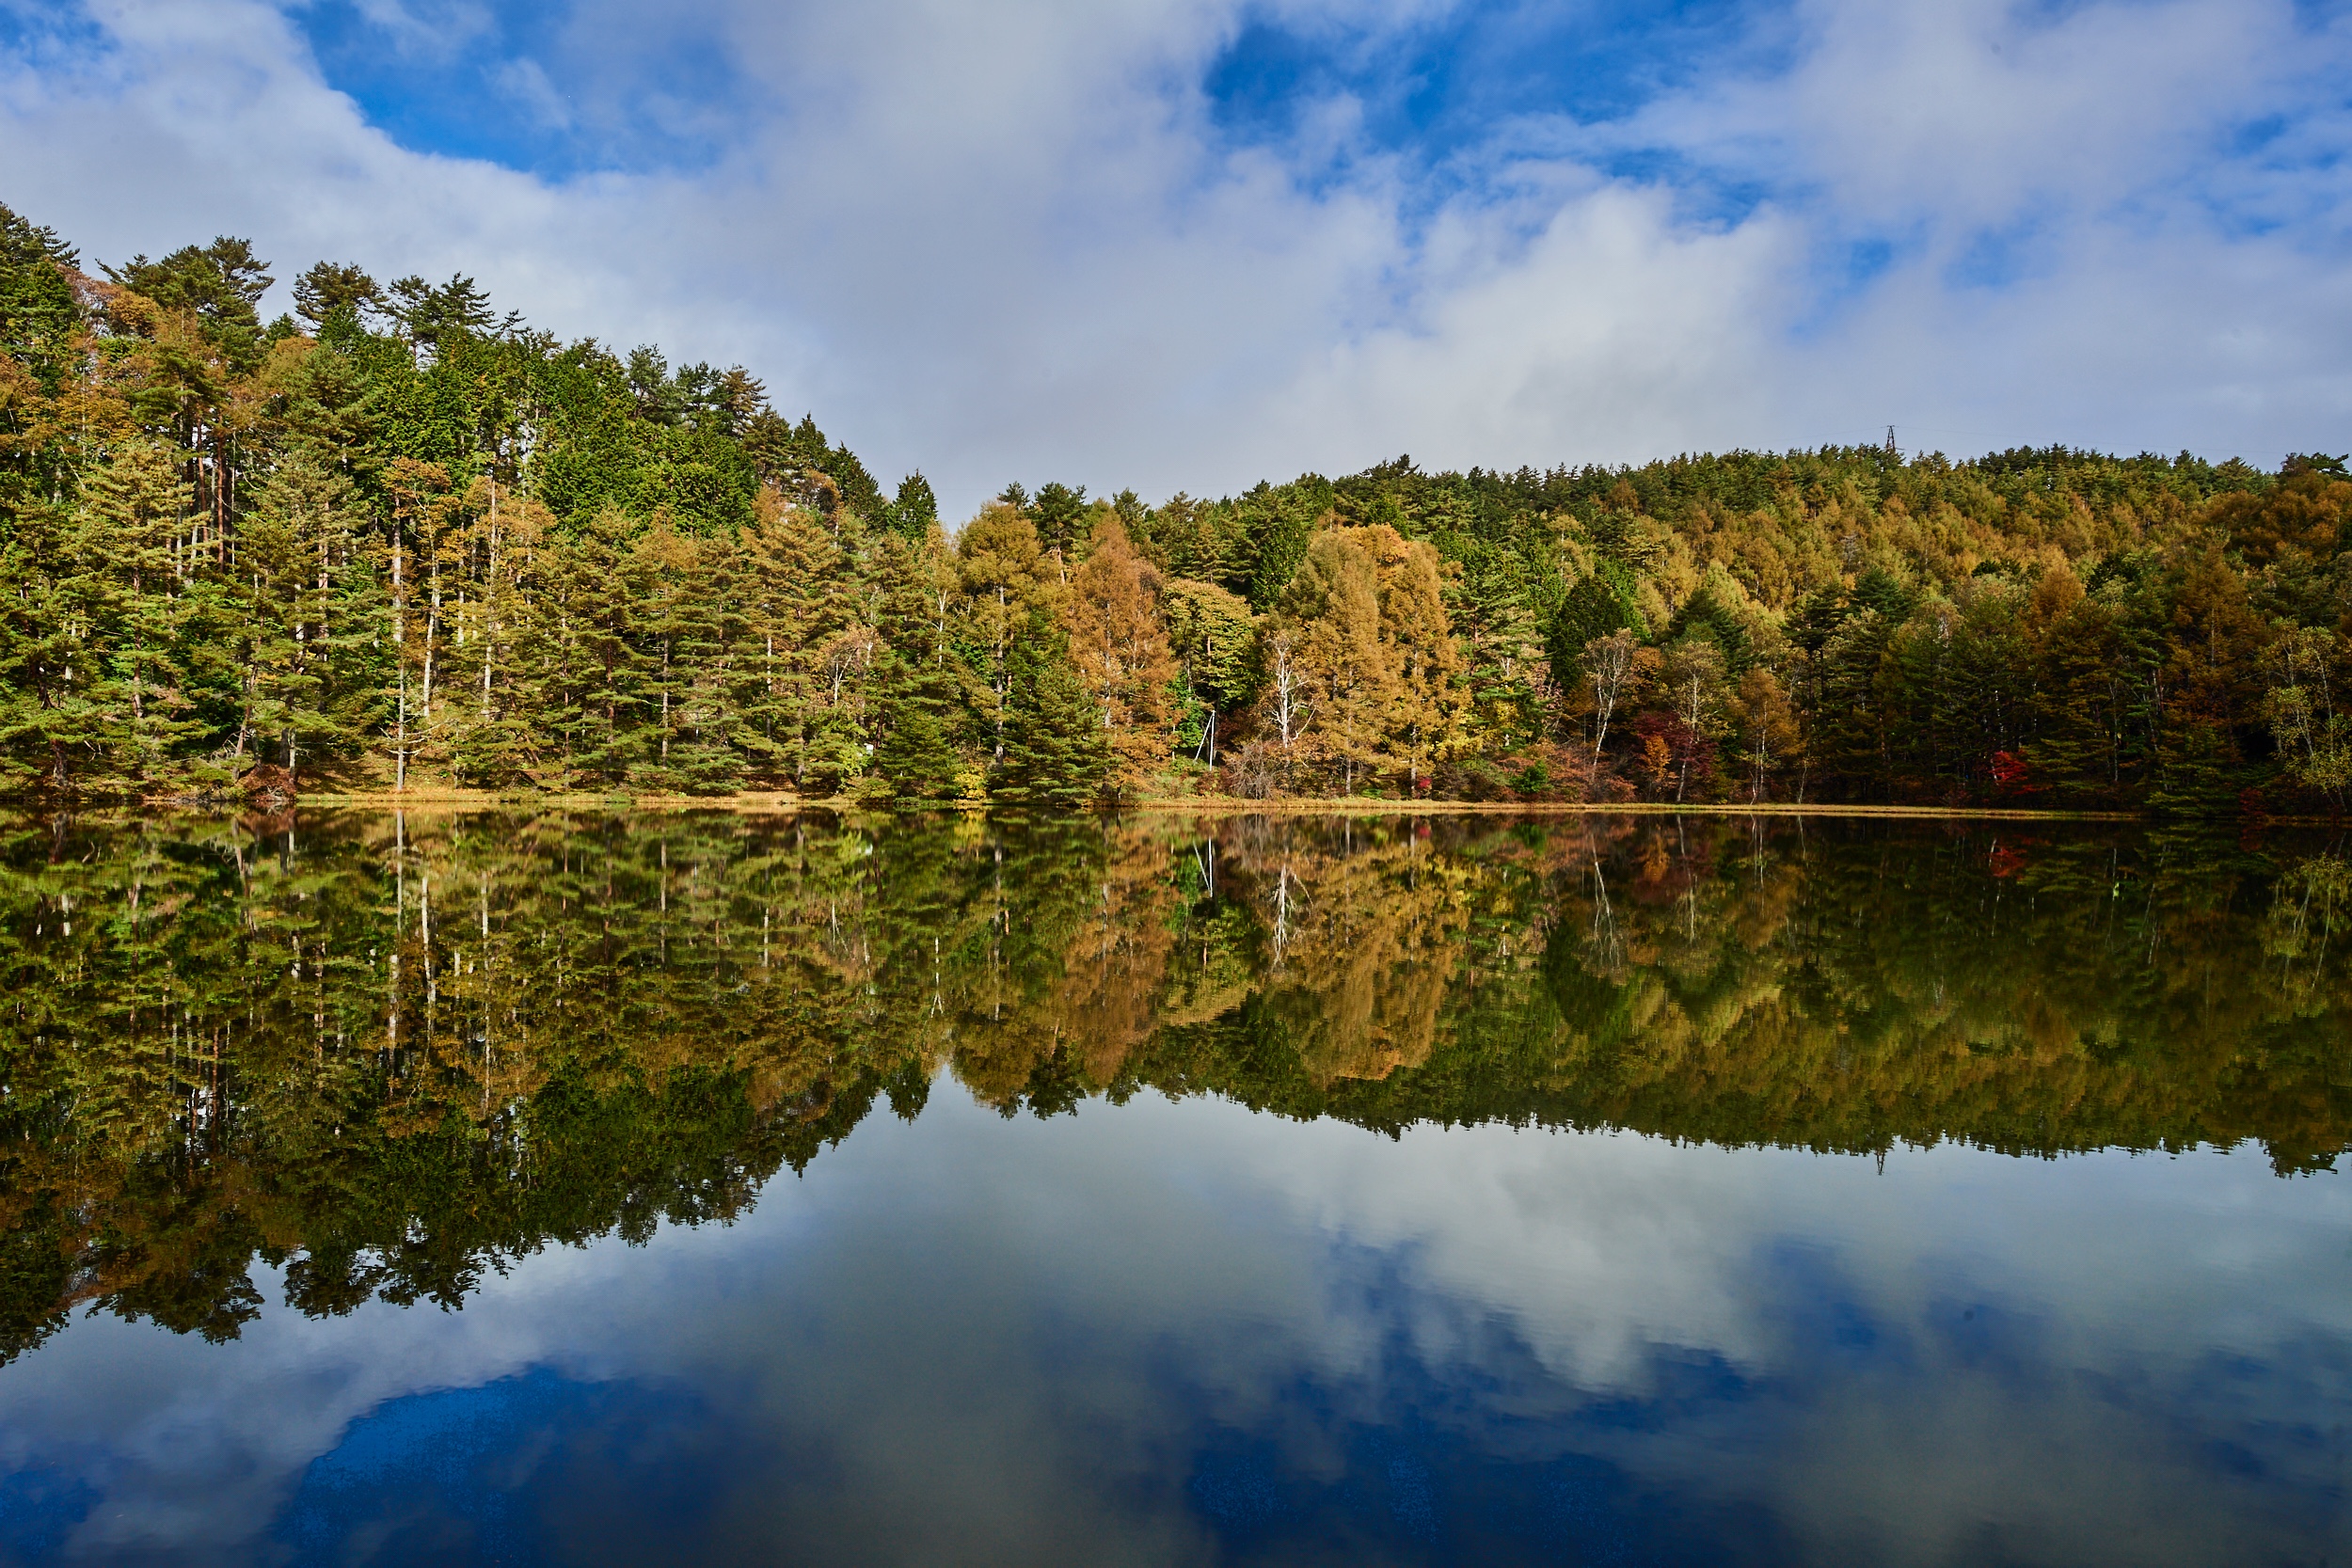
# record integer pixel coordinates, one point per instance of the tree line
(398, 539)
(385, 1054)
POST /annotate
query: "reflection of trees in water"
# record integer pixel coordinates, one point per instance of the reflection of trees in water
(389, 1054)
(1366, 939)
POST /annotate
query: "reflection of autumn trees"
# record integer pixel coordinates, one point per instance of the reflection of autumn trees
(1830, 986)
(389, 1054)
(396, 1054)
(1365, 943)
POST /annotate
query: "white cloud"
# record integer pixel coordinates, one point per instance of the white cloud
(526, 82)
(1010, 241)
(437, 32)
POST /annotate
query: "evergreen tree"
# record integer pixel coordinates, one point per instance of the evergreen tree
(328, 288)
(597, 650)
(220, 284)
(918, 692)
(916, 754)
(1001, 583)
(1058, 512)
(313, 619)
(1057, 751)
(1598, 603)
(799, 664)
(1847, 741)
(140, 604)
(37, 317)
(915, 512)
(684, 622)
(55, 717)
(1496, 613)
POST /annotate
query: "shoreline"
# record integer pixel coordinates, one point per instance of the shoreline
(777, 803)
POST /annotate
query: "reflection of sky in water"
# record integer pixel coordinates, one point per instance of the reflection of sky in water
(1167, 1333)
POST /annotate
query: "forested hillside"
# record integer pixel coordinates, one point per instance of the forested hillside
(401, 539)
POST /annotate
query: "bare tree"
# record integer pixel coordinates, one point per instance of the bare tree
(1609, 662)
(1290, 701)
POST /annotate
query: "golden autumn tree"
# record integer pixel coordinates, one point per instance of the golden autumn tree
(1376, 655)
(1423, 698)
(1119, 640)
(1331, 617)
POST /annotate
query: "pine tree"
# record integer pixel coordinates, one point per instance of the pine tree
(139, 607)
(915, 512)
(683, 621)
(801, 654)
(594, 654)
(1847, 741)
(915, 755)
(1598, 603)
(2081, 695)
(917, 707)
(1058, 511)
(1495, 615)
(55, 716)
(493, 734)
(312, 618)
(427, 556)
(1000, 584)
(1057, 751)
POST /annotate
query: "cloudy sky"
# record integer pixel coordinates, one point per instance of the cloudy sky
(1190, 245)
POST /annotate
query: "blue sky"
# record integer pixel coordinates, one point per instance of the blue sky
(1448, 91)
(537, 89)
(560, 90)
(1182, 245)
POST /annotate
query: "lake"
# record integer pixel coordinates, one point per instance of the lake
(693, 1187)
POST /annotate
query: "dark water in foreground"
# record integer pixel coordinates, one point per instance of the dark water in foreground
(689, 1188)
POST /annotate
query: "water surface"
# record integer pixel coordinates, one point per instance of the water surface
(597, 1189)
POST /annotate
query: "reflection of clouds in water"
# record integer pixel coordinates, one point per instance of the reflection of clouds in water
(976, 1339)
(195, 1445)
(2122, 1358)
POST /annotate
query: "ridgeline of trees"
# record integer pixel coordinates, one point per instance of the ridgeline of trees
(402, 539)
(386, 1055)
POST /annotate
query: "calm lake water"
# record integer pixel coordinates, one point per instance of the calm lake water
(688, 1188)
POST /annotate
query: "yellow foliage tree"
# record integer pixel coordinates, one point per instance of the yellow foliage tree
(1119, 643)
(1364, 622)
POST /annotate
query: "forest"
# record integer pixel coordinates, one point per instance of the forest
(385, 1053)
(400, 541)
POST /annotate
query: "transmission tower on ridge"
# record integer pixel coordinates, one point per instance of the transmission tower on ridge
(1893, 452)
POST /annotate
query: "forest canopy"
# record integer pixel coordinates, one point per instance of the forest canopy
(400, 538)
